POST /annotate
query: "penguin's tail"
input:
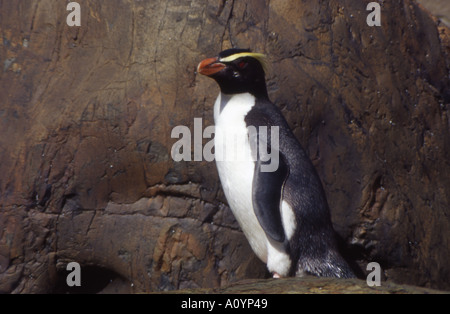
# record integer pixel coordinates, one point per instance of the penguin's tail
(333, 265)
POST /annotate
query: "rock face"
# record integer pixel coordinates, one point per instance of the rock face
(439, 8)
(87, 112)
(313, 285)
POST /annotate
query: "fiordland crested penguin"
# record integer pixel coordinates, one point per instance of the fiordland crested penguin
(282, 210)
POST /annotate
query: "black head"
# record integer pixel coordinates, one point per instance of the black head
(237, 71)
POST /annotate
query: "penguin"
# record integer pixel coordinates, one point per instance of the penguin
(279, 202)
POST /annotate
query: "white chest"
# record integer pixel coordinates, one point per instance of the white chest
(236, 166)
(231, 134)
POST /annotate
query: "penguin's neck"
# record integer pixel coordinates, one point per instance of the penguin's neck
(257, 87)
(234, 105)
(259, 90)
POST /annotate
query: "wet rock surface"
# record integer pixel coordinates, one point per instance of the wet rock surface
(439, 8)
(86, 115)
(313, 285)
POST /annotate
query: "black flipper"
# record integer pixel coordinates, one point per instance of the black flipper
(267, 192)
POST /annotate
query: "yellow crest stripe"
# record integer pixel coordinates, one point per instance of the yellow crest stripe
(258, 56)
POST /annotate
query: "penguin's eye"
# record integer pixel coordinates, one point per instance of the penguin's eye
(242, 64)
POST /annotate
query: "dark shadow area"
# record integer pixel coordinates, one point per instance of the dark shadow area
(94, 279)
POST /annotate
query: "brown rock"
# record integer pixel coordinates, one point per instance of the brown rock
(313, 285)
(87, 112)
(439, 8)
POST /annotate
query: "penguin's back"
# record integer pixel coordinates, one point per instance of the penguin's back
(312, 241)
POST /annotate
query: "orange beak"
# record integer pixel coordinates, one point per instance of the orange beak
(210, 66)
